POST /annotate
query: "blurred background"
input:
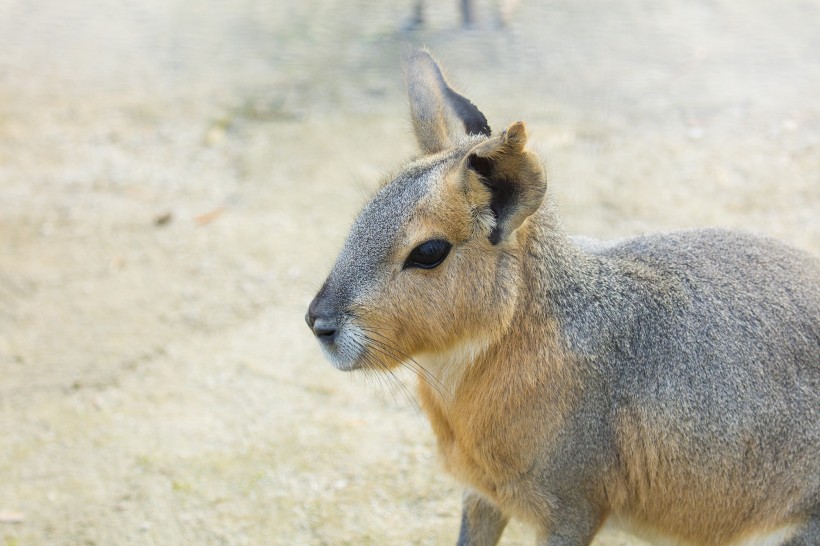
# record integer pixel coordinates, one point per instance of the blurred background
(176, 178)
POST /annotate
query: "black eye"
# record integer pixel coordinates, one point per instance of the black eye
(428, 254)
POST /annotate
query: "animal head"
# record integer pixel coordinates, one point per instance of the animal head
(433, 260)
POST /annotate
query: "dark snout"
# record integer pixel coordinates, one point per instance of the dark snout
(322, 317)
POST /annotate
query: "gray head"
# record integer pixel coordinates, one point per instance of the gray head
(433, 258)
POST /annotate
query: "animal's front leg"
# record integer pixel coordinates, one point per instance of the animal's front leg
(576, 525)
(481, 521)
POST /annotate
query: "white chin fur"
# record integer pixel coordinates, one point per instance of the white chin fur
(448, 367)
(346, 350)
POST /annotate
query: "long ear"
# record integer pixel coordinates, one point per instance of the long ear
(513, 175)
(440, 115)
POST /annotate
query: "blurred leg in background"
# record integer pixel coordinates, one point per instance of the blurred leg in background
(503, 11)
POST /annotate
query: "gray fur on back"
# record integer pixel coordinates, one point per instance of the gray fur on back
(714, 333)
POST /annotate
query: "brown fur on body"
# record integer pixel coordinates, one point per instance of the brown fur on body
(667, 382)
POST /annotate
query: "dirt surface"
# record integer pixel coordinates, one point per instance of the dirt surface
(177, 177)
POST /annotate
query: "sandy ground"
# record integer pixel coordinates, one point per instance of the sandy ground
(176, 178)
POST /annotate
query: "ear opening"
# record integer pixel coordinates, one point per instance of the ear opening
(483, 166)
(513, 176)
(440, 115)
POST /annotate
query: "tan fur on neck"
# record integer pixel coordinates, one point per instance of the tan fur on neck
(506, 384)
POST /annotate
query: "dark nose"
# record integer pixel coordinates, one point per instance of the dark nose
(319, 318)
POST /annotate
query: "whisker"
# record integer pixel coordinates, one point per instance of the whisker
(381, 347)
(389, 375)
(398, 380)
(384, 341)
(373, 363)
(384, 386)
(420, 370)
(372, 372)
(432, 381)
(368, 372)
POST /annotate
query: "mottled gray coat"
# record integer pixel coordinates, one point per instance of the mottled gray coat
(669, 383)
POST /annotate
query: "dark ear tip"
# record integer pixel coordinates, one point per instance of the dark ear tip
(480, 164)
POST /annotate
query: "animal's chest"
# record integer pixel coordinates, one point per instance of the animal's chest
(476, 456)
(483, 443)
(494, 422)
(471, 427)
(496, 463)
